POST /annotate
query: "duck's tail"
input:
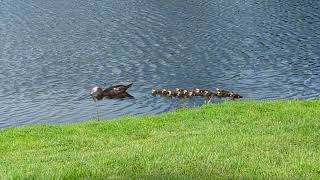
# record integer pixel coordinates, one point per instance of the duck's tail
(129, 96)
(129, 85)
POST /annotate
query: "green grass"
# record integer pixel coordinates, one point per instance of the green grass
(276, 139)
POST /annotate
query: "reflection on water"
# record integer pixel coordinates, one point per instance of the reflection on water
(53, 52)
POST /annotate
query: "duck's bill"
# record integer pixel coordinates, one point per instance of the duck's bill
(94, 99)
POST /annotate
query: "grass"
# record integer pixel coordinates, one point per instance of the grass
(255, 140)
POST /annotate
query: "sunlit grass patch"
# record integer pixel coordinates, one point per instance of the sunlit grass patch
(276, 139)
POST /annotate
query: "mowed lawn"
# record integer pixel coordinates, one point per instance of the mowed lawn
(249, 139)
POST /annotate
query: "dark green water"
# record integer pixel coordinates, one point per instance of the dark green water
(53, 52)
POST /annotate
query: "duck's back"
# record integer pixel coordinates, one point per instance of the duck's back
(115, 91)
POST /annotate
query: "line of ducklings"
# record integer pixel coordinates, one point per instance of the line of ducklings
(188, 93)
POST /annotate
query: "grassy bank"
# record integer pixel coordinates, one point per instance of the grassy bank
(278, 139)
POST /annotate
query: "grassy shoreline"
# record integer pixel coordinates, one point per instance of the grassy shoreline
(267, 139)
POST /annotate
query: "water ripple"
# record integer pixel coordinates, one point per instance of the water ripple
(53, 52)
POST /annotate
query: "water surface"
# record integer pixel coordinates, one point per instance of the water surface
(53, 52)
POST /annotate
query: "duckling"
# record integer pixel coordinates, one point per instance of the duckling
(117, 91)
(178, 89)
(190, 93)
(185, 92)
(156, 92)
(218, 92)
(234, 95)
(168, 93)
(204, 92)
(208, 94)
(173, 93)
(225, 93)
(180, 94)
(222, 93)
(196, 91)
(163, 92)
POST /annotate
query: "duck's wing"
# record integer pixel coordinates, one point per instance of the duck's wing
(120, 95)
(117, 89)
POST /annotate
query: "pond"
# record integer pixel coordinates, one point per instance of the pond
(53, 52)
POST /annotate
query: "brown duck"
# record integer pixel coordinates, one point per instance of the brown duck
(117, 91)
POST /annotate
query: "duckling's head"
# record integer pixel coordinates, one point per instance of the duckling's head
(164, 92)
(154, 92)
(218, 91)
(197, 90)
(206, 93)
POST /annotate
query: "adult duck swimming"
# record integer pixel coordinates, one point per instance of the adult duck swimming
(117, 91)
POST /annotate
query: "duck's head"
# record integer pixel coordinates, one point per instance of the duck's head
(96, 92)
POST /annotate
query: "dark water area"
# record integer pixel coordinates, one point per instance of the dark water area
(53, 52)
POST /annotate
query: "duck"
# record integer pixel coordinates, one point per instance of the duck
(117, 91)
